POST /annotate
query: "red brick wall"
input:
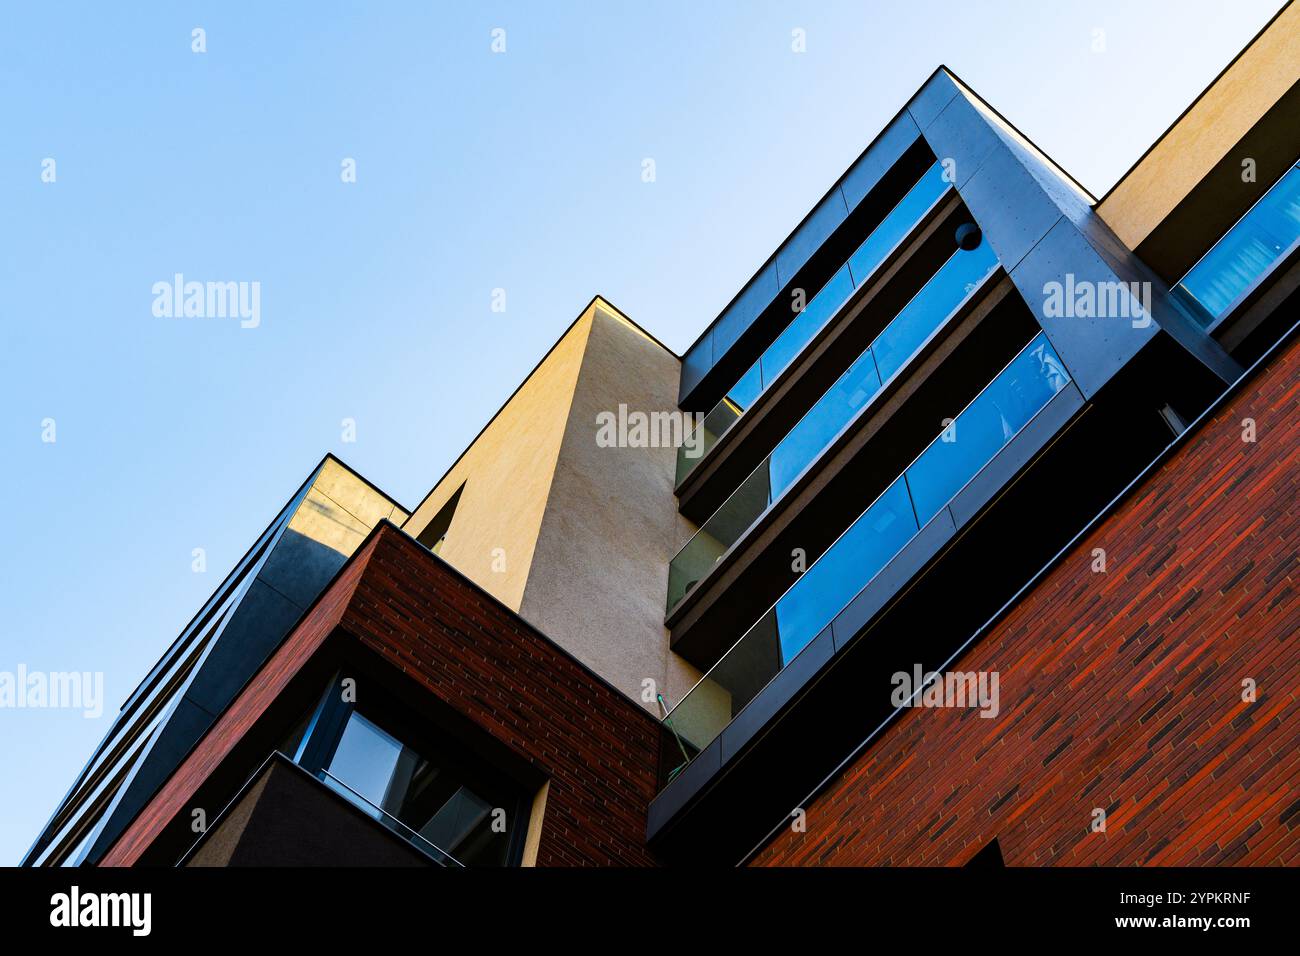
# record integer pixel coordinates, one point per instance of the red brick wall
(1121, 691)
(597, 748)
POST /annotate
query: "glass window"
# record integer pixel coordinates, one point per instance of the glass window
(463, 812)
(742, 395)
(938, 299)
(403, 772)
(840, 573)
(826, 419)
(926, 312)
(818, 311)
(366, 760)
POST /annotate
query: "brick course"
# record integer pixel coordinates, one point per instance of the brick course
(1120, 691)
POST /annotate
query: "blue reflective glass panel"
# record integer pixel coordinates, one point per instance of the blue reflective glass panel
(1248, 250)
(956, 279)
(366, 760)
(995, 416)
(816, 313)
(744, 392)
(823, 422)
(896, 226)
(839, 574)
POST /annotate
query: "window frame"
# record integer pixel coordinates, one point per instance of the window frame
(329, 719)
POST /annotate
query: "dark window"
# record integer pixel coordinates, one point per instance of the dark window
(420, 783)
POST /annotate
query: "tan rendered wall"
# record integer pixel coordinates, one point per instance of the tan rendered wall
(341, 508)
(507, 475)
(1216, 122)
(600, 572)
(585, 532)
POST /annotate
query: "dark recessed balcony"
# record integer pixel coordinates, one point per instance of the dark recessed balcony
(929, 310)
(948, 464)
(863, 266)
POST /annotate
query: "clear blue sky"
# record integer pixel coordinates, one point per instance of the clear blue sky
(475, 171)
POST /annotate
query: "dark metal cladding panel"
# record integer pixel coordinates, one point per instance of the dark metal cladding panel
(695, 365)
(807, 239)
(866, 173)
(172, 741)
(1092, 348)
(758, 295)
(1012, 211)
(927, 104)
(779, 692)
(686, 785)
(961, 139)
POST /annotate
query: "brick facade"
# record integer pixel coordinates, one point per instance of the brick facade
(1120, 691)
(597, 749)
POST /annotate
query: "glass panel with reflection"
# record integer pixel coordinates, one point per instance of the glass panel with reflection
(920, 318)
(892, 231)
(430, 796)
(1001, 411)
(956, 279)
(815, 314)
(1247, 251)
(988, 423)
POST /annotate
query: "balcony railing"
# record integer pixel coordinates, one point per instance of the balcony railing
(927, 311)
(1247, 251)
(430, 849)
(818, 311)
(995, 416)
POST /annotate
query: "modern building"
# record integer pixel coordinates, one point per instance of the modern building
(966, 533)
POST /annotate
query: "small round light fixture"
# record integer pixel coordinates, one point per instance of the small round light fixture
(968, 236)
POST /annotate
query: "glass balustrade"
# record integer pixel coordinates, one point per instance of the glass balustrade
(382, 816)
(1246, 252)
(1004, 407)
(927, 311)
(817, 312)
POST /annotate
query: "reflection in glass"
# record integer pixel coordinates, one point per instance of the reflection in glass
(920, 318)
(430, 796)
(988, 423)
(821, 308)
(1000, 412)
(835, 409)
(806, 324)
(826, 587)
(956, 279)
(1247, 251)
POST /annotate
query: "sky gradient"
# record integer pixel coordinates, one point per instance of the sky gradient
(476, 171)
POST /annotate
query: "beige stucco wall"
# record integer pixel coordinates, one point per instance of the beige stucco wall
(1218, 120)
(507, 476)
(586, 532)
(340, 506)
(600, 571)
